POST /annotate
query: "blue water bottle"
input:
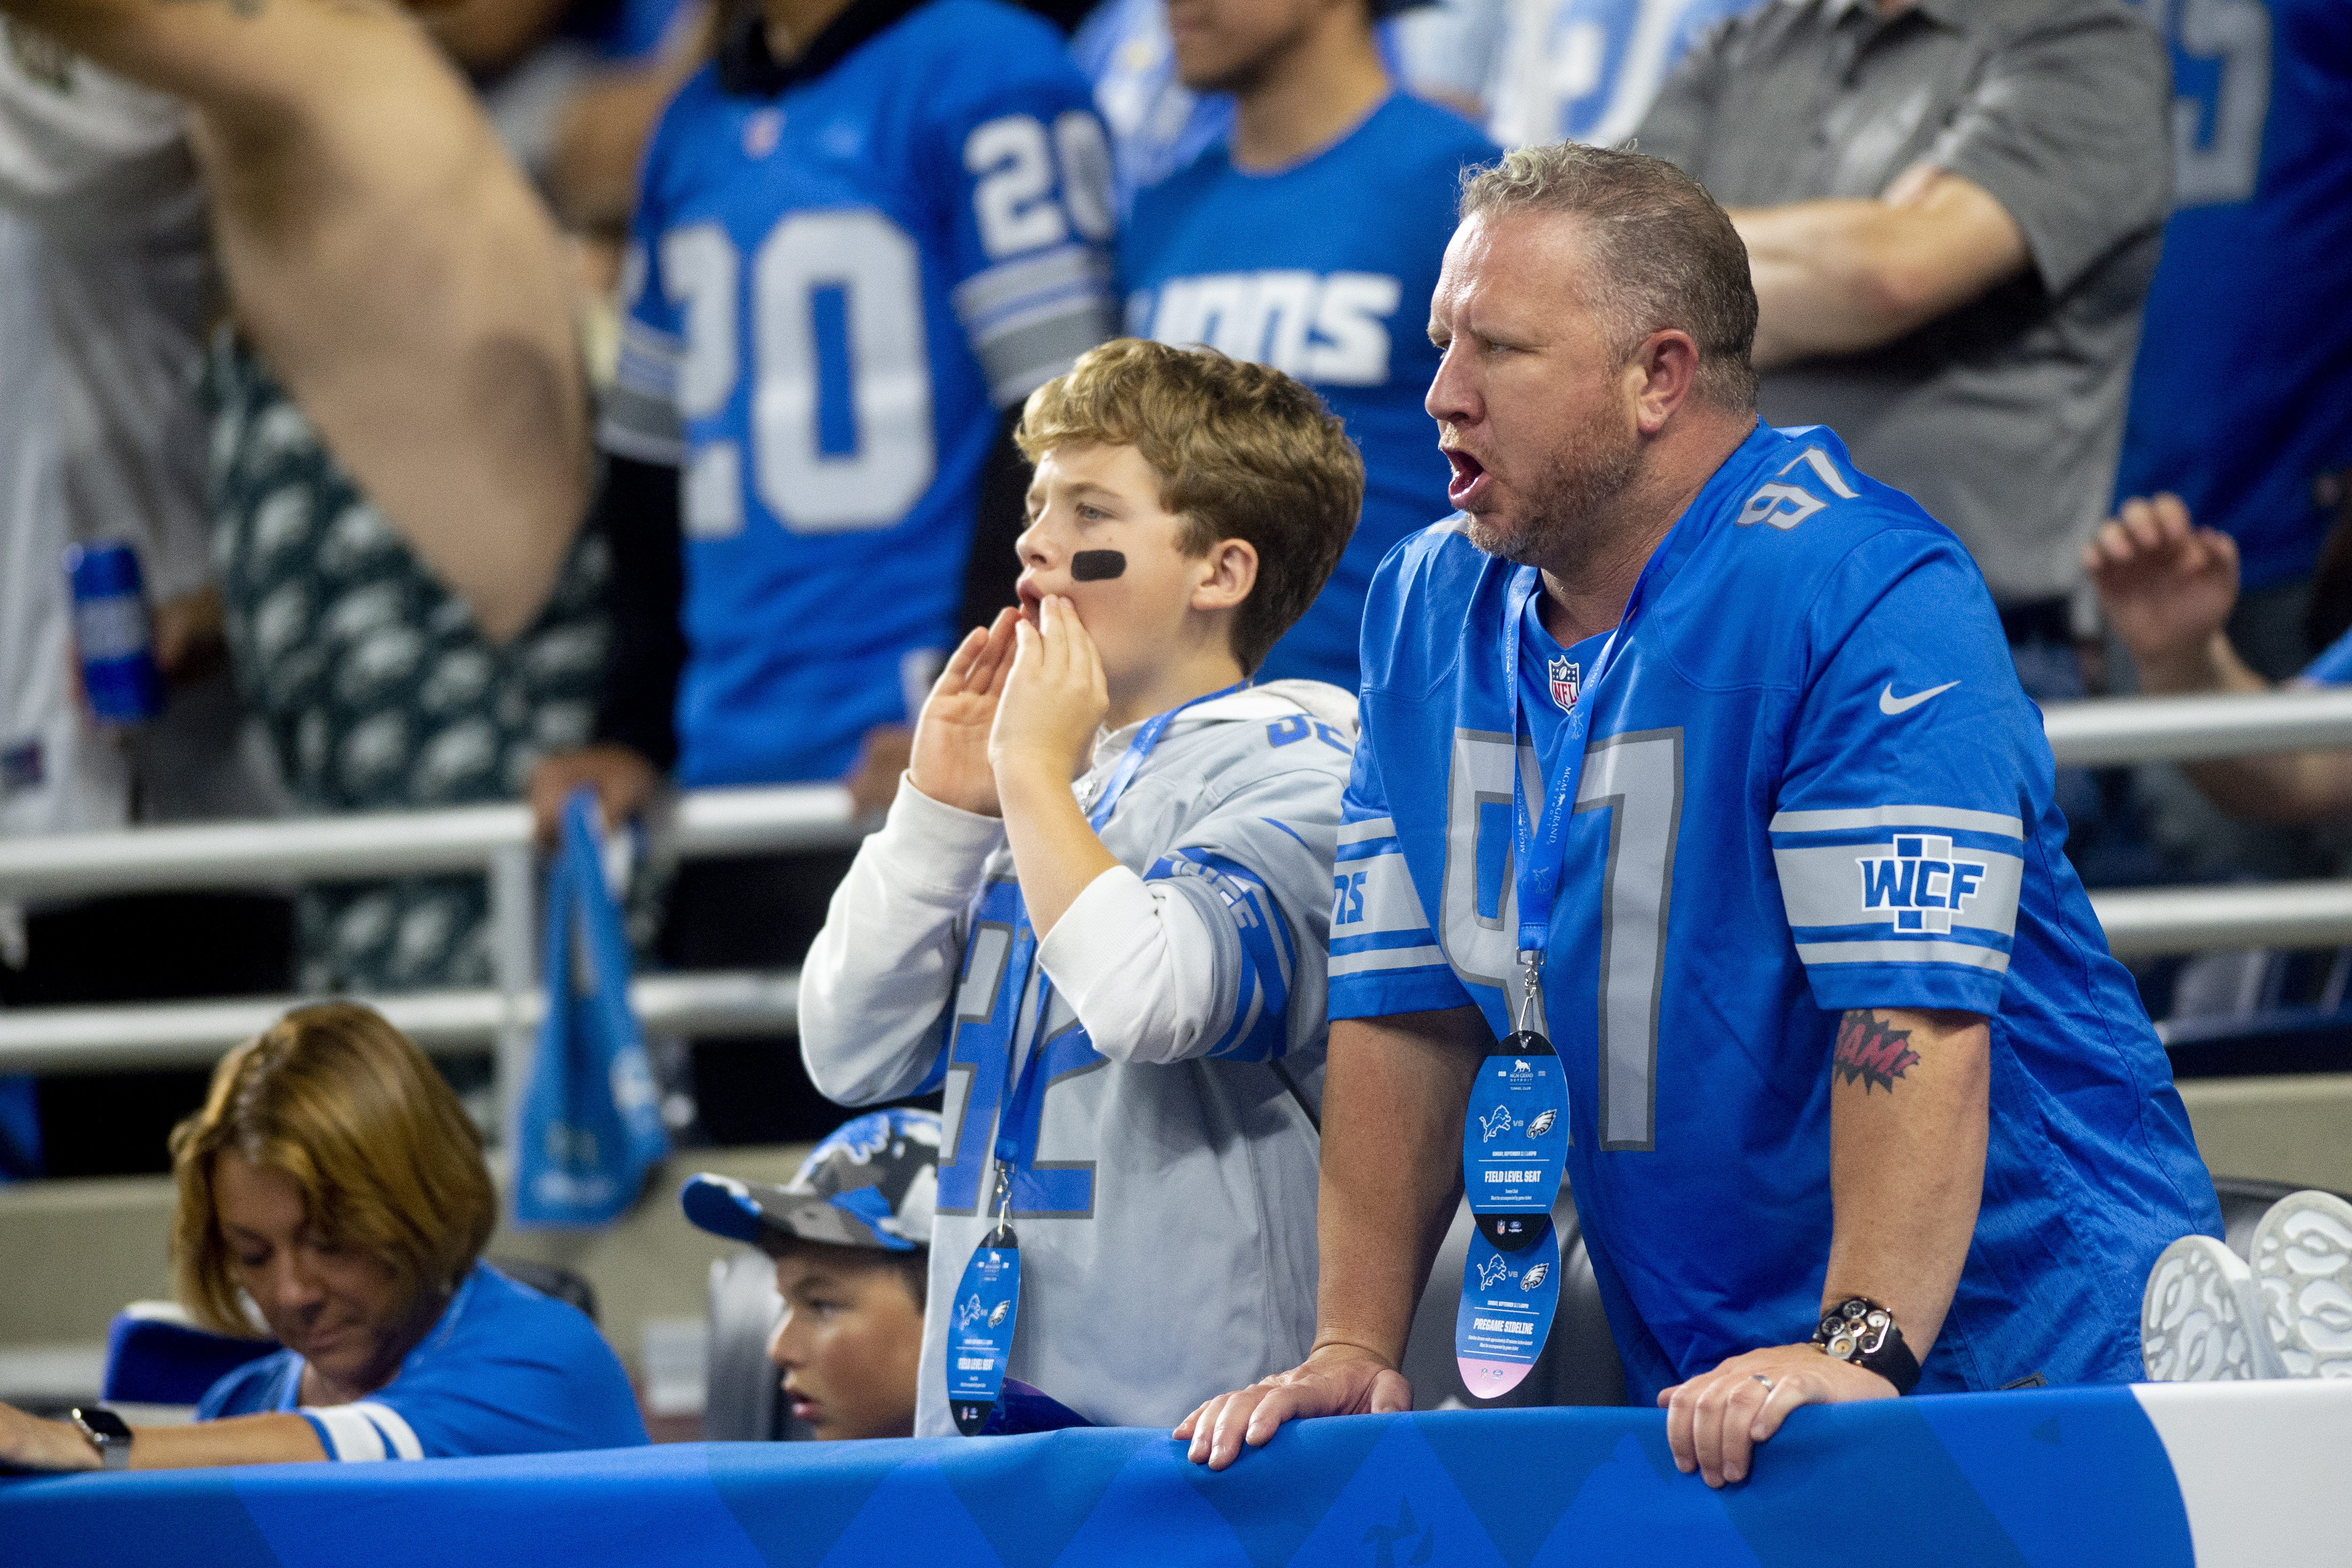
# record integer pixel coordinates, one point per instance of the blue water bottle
(110, 632)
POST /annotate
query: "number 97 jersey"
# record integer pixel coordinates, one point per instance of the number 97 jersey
(831, 289)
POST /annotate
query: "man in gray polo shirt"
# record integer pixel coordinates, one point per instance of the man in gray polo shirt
(1952, 210)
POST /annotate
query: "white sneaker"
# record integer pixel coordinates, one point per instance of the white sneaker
(2200, 1318)
(2302, 1266)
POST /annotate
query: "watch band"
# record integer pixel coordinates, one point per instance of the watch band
(1864, 1332)
(103, 1430)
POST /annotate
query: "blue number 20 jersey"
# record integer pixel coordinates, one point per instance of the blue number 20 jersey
(1813, 785)
(832, 290)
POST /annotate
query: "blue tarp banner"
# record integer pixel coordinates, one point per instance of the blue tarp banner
(591, 1124)
(2071, 1478)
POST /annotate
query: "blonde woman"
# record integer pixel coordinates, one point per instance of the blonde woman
(332, 1188)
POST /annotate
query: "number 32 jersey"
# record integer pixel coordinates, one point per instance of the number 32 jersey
(832, 290)
(1813, 785)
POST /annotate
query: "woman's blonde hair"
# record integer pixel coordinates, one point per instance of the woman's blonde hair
(345, 1104)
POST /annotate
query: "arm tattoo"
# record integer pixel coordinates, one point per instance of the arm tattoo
(1871, 1053)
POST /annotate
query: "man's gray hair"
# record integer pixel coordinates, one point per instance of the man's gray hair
(1664, 251)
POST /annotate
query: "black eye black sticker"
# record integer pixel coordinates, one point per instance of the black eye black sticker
(1098, 565)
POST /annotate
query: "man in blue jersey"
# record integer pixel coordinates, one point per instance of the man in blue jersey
(1308, 241)
(1837, 1025)
(2261, 216)
(867, 229)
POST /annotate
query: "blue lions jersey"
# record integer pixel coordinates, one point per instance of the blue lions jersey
(2262, 218)
(504, 1371)
(1323, 270)
(1813, 785)
(831, 292)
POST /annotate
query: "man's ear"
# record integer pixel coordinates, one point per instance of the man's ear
(1660, 377)
(1228, 573)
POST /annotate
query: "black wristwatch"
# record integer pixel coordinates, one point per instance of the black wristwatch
(1863, 1331)
(102, 1429)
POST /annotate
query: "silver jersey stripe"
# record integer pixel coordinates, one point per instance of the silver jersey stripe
(394, 1427)
(1826, 886)
(1017, 282)
(1370, 827)
(351, 1435)
(1896, 952)
(1898, 817)
(1018, 362)
(1428, 958)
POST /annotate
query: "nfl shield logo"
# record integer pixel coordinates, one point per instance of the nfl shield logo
(1564, 675)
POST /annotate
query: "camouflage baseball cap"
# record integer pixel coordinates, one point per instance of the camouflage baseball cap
(872, 1182)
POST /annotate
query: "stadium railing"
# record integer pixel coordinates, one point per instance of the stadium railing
(496, 842)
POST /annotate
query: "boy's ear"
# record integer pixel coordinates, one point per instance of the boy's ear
(1228, 573)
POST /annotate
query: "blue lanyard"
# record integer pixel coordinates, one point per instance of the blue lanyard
(1539, 847)
(1015, 1129)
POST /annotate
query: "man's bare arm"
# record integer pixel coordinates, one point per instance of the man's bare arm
(388, 261)
(1841, 277)
(1393, 1097)
(2167, 587)
(1909, 1103)
(1909, 1097)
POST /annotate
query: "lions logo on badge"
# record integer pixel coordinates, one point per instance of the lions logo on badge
(1565, 676)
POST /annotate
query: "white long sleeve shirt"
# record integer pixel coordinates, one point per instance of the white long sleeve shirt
(1175, 1140)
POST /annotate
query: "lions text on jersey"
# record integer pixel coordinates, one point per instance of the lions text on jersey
(1813, 785)
(2263, 216)
(1323, 270)
(832, 290)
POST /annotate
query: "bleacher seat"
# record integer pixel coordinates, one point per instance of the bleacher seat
(742, 1402)
(550, 1280)
(156, 1356)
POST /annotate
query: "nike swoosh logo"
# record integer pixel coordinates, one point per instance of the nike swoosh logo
(1891, 704)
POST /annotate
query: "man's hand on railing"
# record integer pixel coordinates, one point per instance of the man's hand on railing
(624, 781)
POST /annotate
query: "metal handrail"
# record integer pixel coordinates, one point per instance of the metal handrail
(497, 841)
(393, 844)
(2111, 731)
(2143, 922)
(185, 1034)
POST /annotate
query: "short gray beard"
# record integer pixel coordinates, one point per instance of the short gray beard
(1572, 504)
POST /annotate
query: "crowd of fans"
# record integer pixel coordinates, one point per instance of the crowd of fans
(510, 399)
(316, 309)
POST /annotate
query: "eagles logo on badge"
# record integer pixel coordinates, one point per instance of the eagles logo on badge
(1565, 675)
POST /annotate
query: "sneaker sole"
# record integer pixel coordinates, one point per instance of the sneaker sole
(2200, 1318)
(2302, 1266)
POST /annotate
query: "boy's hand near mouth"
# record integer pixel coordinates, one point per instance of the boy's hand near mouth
(1052, 706)
(950, 761)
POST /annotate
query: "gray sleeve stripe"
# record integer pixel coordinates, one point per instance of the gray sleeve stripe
(1829, 886)
(1899, 952)
(1388, 959)
(984, 294)
(1370, 827)
(1017, 363)
(1898, 817)
(643, 446)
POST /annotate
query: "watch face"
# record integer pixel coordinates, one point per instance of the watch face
(106, 1424)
